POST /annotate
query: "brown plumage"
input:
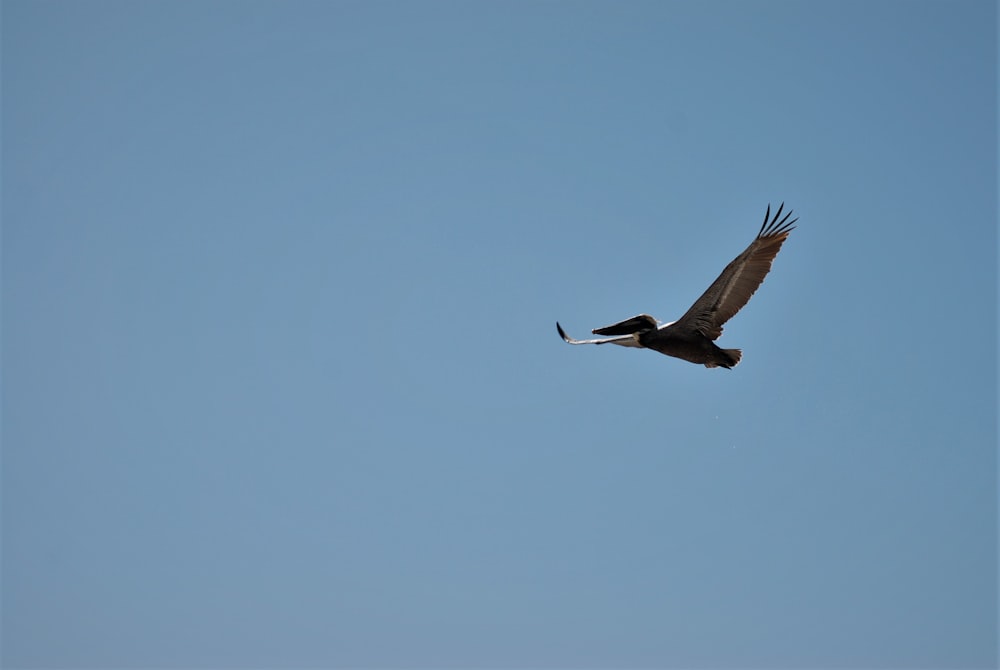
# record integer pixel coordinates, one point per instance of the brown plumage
(692, 336)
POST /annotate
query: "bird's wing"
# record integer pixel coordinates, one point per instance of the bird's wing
(741, 278)
(636, 324)
(624, 340)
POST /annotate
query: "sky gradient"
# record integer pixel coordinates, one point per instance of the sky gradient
(281, 381)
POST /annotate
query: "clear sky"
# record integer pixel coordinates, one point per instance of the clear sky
(281, 381)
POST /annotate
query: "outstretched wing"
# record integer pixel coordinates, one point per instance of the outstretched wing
(740, 280)
(624, 340)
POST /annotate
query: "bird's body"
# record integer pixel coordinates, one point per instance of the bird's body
(692, 337)
(694, 347)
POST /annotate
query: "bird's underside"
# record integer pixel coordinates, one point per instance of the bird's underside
(692, 337)
(667, 340)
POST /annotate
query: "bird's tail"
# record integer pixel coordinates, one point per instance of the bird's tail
(734, 356)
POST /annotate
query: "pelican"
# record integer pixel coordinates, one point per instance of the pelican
(692, 336)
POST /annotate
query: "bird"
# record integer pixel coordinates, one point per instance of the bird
(692, 337)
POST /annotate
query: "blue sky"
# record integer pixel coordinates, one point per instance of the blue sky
(281, 381)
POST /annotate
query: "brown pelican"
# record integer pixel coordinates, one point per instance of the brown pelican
(691, 337)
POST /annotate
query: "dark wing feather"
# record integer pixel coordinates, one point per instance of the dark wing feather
(637, 324)
(740, 280)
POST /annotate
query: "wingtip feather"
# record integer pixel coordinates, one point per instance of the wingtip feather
(776, 225)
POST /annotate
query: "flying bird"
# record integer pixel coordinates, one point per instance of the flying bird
(692, 337)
